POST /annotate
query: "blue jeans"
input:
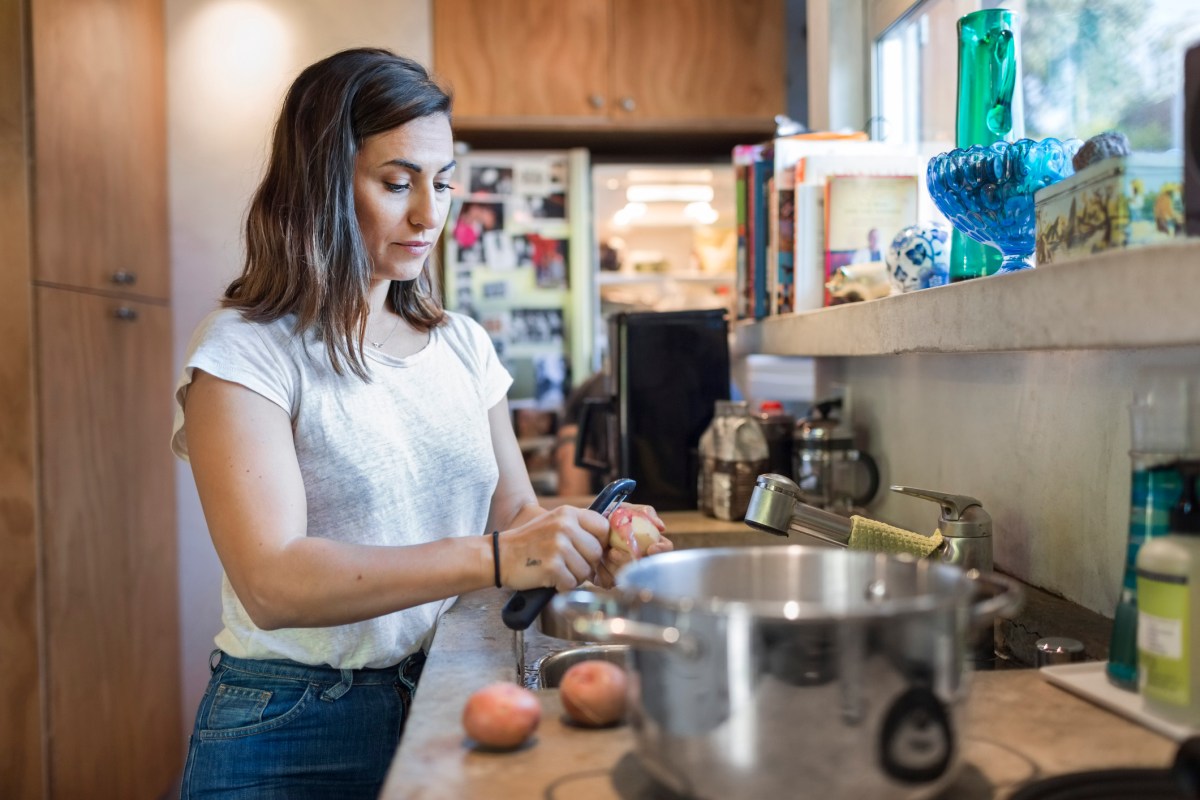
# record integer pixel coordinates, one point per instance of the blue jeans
(279, 729)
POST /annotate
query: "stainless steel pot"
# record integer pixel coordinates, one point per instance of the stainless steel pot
(794, 671)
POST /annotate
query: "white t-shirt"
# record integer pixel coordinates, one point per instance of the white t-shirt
(404, 459)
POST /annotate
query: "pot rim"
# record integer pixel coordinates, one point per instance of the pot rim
(964, 590)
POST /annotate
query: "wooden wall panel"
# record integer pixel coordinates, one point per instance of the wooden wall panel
(89, 642)
(21, 756)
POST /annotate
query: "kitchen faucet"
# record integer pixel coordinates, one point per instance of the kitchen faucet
(965, 527)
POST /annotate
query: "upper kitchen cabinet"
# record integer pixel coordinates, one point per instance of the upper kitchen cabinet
(509, 60)
(612, 64)
(710, 62)
(100, 145)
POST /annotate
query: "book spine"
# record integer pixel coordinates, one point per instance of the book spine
(827, 267)
(759, 232)
(810, 247)
(772, 246)
(742, 282)
(752, 203)
(783, 298)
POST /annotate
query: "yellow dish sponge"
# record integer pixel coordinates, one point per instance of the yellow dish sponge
(879, 537)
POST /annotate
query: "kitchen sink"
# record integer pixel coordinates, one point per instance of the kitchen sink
(551, 668)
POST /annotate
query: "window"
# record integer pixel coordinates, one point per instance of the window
(1087, 66)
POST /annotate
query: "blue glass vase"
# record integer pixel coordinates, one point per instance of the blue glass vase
(986, 191)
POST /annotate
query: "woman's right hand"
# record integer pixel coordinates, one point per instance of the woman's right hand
(560, 548)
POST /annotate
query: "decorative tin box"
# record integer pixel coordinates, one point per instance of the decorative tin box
(1125, 201)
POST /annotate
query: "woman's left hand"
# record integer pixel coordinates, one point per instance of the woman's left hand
(615, 557)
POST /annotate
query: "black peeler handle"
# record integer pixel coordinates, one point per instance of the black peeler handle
(523, 607)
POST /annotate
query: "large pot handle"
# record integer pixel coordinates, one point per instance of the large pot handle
(1004, 597)
(596, 616)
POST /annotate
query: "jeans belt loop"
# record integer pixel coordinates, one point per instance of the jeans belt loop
(409, 670)
(343, 686)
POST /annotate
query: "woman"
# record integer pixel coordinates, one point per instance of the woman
(350, 440)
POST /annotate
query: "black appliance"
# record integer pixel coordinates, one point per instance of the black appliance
(666, 370)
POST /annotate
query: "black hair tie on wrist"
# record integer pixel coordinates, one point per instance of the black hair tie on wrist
(496, 556)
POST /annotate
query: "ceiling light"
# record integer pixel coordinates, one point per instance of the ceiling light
(628, 213)
(668, 175)
(701, 212)
(669, 193)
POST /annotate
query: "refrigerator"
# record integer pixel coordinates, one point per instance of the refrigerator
(517, 257)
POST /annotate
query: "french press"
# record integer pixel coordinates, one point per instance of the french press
(831, 472)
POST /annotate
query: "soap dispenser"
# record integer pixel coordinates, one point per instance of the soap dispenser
(1168, 590)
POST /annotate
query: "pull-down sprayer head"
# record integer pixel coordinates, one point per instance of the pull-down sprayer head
(776, 507)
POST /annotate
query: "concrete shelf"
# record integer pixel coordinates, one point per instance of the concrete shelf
(1143, 297)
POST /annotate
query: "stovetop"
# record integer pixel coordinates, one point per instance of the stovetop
(1109, 784)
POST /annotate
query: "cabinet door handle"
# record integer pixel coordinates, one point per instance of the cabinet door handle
(597, 100)
(627, 104)
(124, 278)
(126, 314)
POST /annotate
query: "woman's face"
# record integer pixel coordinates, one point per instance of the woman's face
(402, 194)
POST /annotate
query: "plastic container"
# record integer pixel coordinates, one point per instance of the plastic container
(1168, 589)
(733, 453)
(1154, 490)
(1165, 430)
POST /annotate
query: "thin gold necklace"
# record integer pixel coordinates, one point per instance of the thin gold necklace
(379, 345)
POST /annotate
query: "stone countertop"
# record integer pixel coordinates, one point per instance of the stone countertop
(1018, 727)
(687, 529)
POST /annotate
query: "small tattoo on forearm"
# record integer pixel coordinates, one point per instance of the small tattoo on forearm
(532, 562)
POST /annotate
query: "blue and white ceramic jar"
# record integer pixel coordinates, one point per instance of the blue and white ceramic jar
(919, 257)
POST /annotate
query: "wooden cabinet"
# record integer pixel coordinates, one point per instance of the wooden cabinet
(99, 145)
(89, 638)
(523, 58)
(718, 61)
(110, 619)
(624, 64)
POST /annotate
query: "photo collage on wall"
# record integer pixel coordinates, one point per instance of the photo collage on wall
(507, 265)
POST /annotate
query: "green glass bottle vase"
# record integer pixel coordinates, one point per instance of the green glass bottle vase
(989, 110)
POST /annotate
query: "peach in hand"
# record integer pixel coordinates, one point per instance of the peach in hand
(632, 530)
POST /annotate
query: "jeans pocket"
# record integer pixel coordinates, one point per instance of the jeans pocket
(245, 705)
(237, 707)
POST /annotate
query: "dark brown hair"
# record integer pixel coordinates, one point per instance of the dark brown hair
(304, 251)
